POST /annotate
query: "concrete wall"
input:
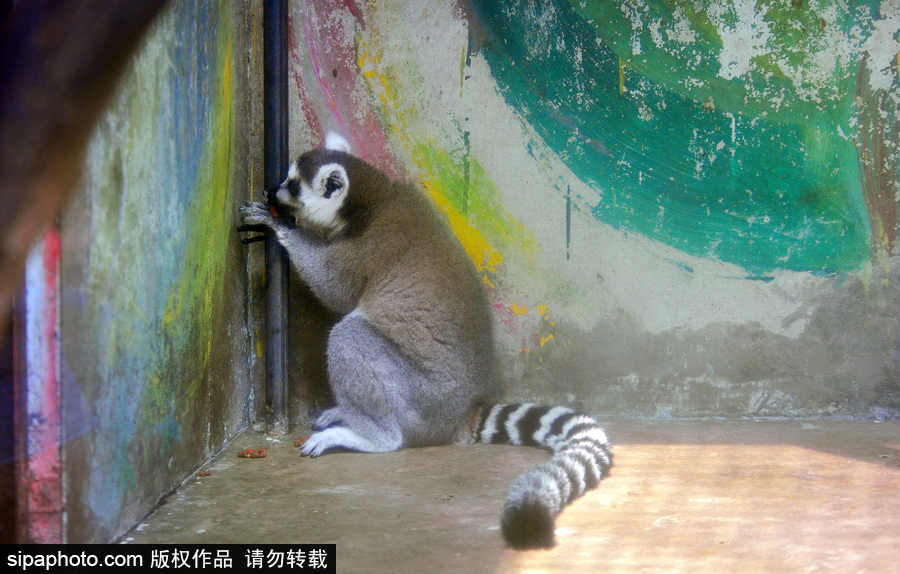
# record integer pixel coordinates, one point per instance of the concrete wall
(678, 209)
(159, 343)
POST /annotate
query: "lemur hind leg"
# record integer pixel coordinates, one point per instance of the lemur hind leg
(368, 377)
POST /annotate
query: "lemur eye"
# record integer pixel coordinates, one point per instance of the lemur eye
(293, 186)
(333, 183)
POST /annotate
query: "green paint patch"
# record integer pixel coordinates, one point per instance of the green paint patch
(158, 215)
(195, 298)
(677, 152)
(791, 61)
(474, 196)
(459, 186)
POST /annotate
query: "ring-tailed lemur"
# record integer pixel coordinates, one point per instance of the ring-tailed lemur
(410, 361)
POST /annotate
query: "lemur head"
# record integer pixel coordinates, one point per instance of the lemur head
(316, 193)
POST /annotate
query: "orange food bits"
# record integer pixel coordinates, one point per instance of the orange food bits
(250, 453)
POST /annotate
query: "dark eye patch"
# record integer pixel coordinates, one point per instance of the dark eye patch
(294, 187)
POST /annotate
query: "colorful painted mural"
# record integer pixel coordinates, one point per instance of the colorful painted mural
(150, 270)
(676, 208)
(722, 130)
(729, 131)
(659, 166)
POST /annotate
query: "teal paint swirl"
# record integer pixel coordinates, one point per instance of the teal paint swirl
(677, 155)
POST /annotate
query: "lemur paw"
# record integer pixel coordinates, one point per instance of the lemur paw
(255, 216)
(329, 418)
(335, 439)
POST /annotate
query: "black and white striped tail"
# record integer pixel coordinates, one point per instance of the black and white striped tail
(581, 459)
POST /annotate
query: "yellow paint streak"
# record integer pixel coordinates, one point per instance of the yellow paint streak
(545, 339)
(482, 253)
(403, 123)
(542, 310)
(381, 85)
(518, 309)
(487, 281)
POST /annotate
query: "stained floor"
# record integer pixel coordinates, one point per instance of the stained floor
(684, 496)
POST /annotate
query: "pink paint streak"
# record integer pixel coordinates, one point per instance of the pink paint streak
(341, 84)
(41, 501)
(309, 112)
(357, 13)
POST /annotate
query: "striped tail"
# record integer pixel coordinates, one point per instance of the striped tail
(581, 459)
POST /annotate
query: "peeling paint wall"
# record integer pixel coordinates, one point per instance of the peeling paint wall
(159, 349)
(678, 208)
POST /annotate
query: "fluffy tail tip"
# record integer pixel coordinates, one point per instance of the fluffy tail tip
(527, 525)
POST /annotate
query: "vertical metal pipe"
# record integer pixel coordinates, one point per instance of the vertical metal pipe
(275, 151)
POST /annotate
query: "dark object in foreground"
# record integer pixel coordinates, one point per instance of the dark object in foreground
(60, 61)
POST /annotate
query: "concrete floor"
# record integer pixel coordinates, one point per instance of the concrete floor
(710, 496)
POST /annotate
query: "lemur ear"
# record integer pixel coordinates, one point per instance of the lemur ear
(335, 141)
(331, 181)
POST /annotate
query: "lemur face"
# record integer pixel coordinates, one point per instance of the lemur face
(312, 194)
